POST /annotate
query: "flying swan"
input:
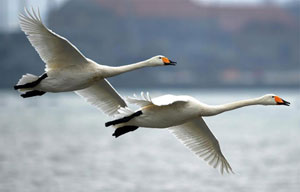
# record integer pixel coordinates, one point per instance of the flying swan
(182, 115)
(67, 69)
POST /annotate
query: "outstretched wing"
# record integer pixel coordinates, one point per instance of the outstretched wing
(54, 50)
(145, 100)
(103, 96)
(197, 137)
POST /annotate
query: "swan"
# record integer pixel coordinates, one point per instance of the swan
(182, 115)
(67, 69)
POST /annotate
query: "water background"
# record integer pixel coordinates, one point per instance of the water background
(58, 143)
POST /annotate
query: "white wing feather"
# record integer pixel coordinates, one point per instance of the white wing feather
(197, 137)
(54, 50)
(159, 101)
(103, 96)
(143, 101)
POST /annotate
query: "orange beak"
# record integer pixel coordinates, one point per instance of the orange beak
(280, 101)
(167, 61)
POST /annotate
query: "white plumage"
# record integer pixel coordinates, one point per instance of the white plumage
(182, 115)
(103, 96)
(54, 50)
(67, 69)
(197, 137)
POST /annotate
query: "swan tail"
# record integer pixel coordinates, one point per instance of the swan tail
(28, 78)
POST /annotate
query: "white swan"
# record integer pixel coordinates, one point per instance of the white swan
(182, 115)
(67, 69)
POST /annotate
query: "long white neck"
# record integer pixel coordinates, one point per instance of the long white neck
(217, 109)
(108, 71)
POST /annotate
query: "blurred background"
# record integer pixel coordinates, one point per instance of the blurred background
(226, 50)
(216, 43)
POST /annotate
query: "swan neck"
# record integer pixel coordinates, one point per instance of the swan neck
(217, 109)
(108, 71)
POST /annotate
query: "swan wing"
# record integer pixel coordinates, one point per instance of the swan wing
(197, 137)
(163, 100)
(142, 101)
(103, 96)
(54, 50)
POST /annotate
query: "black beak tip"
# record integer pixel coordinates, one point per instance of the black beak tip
(286, 103)
(171, 63)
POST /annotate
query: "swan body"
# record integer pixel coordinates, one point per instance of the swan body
(170, 110)
(182, 115)
(77, 77)
(67, 69)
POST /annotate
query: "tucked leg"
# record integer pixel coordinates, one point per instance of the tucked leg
(124, 119)
(31, 84)
(122, 130)
(33, 93)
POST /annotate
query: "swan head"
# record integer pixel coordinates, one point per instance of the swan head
(271, 99)
(160, 60)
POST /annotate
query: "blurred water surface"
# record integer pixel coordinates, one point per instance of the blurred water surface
(59, 143)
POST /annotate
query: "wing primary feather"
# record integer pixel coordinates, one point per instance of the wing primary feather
(217, 162)
(222, 167)
(28, 13)
(54, 50)
(34, 14)
(212, 159)
(142, 95)
(208, 156)
(148, 97)
(39, 14)
(103, 96)
(197, 137)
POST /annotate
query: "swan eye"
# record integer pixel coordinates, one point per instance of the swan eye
(159, 57)
(272, 96)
